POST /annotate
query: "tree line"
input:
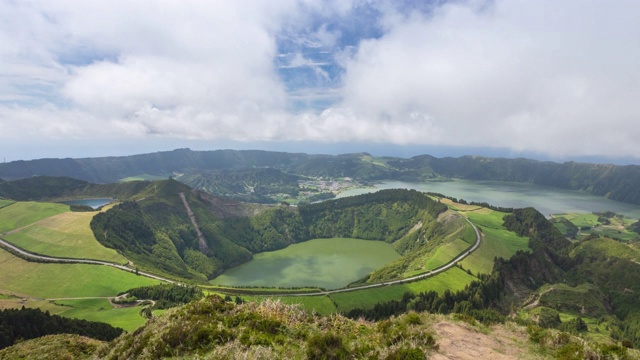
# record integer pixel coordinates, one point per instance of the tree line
(24, 324)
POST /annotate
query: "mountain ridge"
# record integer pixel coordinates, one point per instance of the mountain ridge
(617, 182)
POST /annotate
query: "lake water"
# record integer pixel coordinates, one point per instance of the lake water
(547, 200)
(94, 203)
(328, 263)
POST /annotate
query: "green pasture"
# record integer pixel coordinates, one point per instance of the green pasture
(446, 253)
(64, 235)
(5, 202)
(453, 279)
(65, 280)
(581, 220)
(614, 233)
(616, 230)
(320, 304)
(497, 241)
(102, 310)
(604, 247)
(328, 263)
(21, 214)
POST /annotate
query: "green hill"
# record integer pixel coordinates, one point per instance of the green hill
(615, 182)
(157, 231)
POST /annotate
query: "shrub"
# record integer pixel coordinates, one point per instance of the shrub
(327, 346)
(404, 353)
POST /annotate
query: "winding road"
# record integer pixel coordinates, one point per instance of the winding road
(433, 272)
(12, 248)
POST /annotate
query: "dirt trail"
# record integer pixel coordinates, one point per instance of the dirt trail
(202, 243)
(461, 342)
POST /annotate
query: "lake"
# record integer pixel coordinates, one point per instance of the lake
(94, 203)
(328, 263)
(547, 200)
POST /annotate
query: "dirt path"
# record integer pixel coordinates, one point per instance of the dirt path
(462, 342)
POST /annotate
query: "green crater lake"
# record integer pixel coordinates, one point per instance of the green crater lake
(328, 263)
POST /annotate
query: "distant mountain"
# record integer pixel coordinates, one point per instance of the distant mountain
(203, 168)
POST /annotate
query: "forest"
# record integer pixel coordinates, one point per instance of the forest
(32, 323)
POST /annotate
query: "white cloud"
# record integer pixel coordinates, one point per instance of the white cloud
(554, 77)
(559, 78)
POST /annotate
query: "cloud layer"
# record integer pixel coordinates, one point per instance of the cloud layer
(559, 78)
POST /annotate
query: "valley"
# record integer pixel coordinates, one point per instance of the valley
(377, 249)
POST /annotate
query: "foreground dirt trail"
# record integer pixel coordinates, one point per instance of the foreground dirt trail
(461, 342)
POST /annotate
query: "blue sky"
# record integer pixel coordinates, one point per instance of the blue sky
(543, 79)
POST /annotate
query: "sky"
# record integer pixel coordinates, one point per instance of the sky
(546, 79)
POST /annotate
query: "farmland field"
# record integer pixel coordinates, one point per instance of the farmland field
(4, 202)
(321, 304)
(497, 241)
(102, 310)
(328, 263)
(64, 235)
(453, 279)
(22, 214)
(446, 253)
(65, 280)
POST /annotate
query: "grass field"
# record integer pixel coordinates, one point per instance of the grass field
(589, 225)
(453, 279)
(5, 202)
(608, 248)
(446, 253)
(22, 214)
(102, 310)
(497, 241)
(327, 263)
(320, 304)
(88, 309)
(64, 280)
(66, 234)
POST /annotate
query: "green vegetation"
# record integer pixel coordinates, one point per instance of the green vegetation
(100, 310)
(608, 224)
(598, 248)
(328, 263)
(453, 279)
(67, 235)
(167, 295)
(31, 323)
(5, 202)
(214, 328)
(584, 299)
(21, 214)
(615, 182)
(497, 242)
(53, 347)
(65, 280)
(156, 232)
(321, 304)
(260, 185)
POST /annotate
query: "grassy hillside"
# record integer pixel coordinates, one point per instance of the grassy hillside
(64, 280)
(612, 181)
(54, 347)
(21, 214)
(252, 185)
(67, 234)
(157, 232)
